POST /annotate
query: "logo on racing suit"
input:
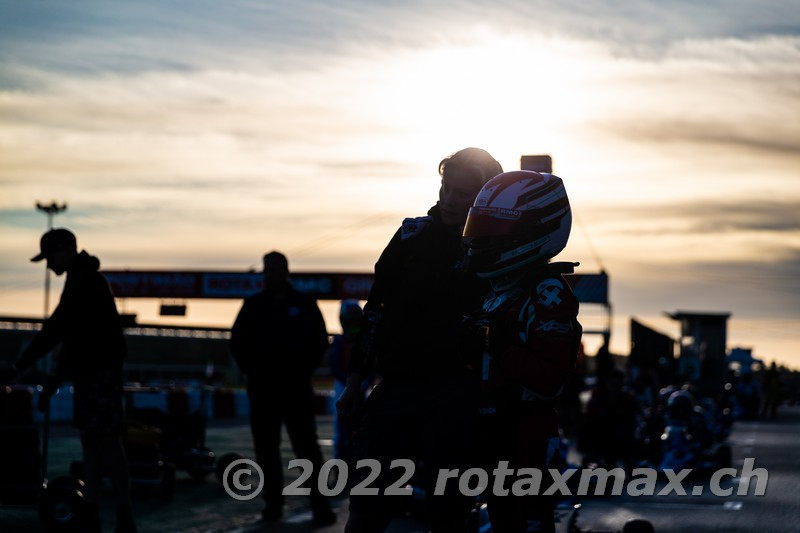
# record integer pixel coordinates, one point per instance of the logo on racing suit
(554, 325)
(414, 226)
(549, 292)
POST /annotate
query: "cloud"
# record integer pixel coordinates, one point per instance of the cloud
(199, 137)
(733, 215)
(647, 29)
(754, 138)
(709, 96)
(134, 36)
(753, 288)
(90, 37)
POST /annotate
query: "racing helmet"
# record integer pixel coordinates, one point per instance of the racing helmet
(680, 405)
(519, 218)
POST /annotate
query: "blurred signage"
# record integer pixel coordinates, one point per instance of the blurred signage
(231, 285)
(172, 310)
(589, 288)
(536, 163)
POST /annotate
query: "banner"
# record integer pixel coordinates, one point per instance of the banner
(231, 285)
(589, 288)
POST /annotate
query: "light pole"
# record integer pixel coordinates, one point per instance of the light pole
(50, 210)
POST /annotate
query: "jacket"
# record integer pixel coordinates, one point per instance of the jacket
(279, 338)
(86, 321)
(413, 316)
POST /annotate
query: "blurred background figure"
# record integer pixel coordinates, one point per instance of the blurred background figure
(773, 392)
(748, 394)
(610, 423)
(341, 348)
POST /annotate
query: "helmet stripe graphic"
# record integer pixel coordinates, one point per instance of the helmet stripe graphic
(512, 178)
(549, 187)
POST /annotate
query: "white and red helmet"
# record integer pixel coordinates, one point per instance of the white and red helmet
(519, 218)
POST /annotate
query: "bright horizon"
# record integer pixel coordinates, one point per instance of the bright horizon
(202, 139)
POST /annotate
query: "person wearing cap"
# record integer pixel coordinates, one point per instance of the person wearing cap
(423, 408)
(87, 324)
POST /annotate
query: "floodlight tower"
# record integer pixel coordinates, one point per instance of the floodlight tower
(50, 210)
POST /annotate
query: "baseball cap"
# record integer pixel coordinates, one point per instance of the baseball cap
(55, 240)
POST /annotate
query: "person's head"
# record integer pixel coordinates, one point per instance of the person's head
(463, 174)
(680, 405)
(350, 314)
(59, 247)
(276, 271)
(520, 220)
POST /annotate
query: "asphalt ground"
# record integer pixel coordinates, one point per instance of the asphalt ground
(772, 443)
(197, 506)
(205, 507)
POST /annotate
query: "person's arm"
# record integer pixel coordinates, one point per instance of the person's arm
(242, 337)
(362, 359)
(387, 273)
(547, 359)
(351, 400)
(365, 348)
(53, 331)
(318, 334)
(336, 358)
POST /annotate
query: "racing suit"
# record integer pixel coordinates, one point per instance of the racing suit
(532, 339)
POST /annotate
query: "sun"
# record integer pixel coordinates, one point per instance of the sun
(508, 94)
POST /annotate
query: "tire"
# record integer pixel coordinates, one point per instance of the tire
(72, 482)
(638, 525)
(62, 509)
(199, 463)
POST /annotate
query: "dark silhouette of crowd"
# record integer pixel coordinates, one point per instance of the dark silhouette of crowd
(633, 418)
(471, 340)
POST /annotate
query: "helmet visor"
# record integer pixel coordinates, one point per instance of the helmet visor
(491, 221)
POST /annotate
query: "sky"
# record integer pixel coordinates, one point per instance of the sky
(199, 135)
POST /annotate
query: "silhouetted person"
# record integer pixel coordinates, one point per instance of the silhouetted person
(424, 407)
(87, 324)
(531, 335)
(604, 363)
(610, 423)
(793, 388)
(773, 391)
(748, 394)
(278, 339)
